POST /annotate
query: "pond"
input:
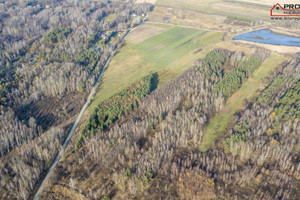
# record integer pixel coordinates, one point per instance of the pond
(268, 37)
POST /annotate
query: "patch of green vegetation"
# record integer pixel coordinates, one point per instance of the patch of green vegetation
(288, 107)
(129, 172)
(233, 80)
(212, 65)
(174, 43)
(218, 124)
(111, 17)
(172, 37)
(105, 198)
(120, 104)
(239, 135)
(56, 35)
(146, 178)
(88, 58)
(270, 92)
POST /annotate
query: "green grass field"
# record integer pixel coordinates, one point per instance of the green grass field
(248, 90)
(170, 45)
(111, 17)
(169, 54)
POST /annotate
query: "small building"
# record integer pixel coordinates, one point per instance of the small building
(47, 6)
(103, 37)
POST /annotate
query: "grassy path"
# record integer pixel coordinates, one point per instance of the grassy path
(218, 124)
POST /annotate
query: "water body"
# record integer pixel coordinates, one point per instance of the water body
(268, 37)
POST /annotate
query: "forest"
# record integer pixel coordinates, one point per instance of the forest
(153, 152)
(117, 106)
(51, 54)
(144, 142)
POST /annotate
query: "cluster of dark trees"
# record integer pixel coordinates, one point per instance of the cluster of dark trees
(228, 83)
(48, 54)
(233, 80)
(56, 35)
(287, 107)
(153, 153)
(116, 106)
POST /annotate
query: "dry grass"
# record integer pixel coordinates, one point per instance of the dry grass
(145, 32)
(190, 17)
(234, 46)
(111, 17)
(267, 2)
(239, 10)
(274, 48)
(284, 31)
(68, 193)
(146, 1)
(211, 14)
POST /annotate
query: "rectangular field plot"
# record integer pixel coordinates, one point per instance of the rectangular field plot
(170, 45)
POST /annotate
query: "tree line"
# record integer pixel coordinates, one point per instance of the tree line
(117, 106)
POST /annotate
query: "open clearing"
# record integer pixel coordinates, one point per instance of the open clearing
(225, 7)
(67, 192)
(212, 14)
(111, 17)
(218, 124)
(275, 48)
(266, 2)
(146, 1)
(168, 53)
(145, 32)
